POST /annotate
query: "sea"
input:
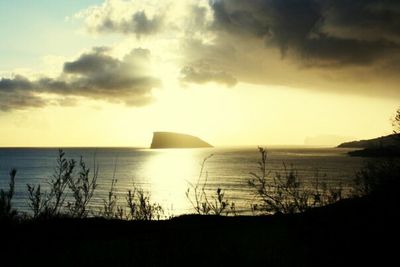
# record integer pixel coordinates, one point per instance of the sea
(166, 175)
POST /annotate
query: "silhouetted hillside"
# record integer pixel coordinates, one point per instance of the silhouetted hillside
(389, 151)
(349, 233)
(384, 141)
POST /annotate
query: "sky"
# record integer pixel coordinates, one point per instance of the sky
(256, 72)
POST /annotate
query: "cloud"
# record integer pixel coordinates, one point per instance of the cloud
(17, 93)
(316, 29)
(139, 24)
(203, 74)
(325, 45)
(94, 75)
(126, 17)
(336, 46)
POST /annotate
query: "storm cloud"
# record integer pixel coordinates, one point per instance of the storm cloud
(324, 31)
(94, 75)
(327, 45)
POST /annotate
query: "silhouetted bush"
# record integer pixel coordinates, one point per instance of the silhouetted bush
(201, 203)
(82, 188)
(50, 204)
(378, 176)
(110, 209)
(35, 200)
(6, 210)
(140, 207)
(63, 181)
(396, 122)
(285, 193)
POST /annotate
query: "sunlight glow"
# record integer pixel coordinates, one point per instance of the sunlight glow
(169, 171)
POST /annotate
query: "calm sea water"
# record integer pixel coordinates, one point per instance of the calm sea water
(167, 174)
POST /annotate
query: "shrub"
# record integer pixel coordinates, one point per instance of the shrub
(285, 193)
(379, 176)
(110, 209)
(201, 203)
(64, 182)
(138, 202)
(82, 188)
(6, 210)
(140, 207)
(36, 202)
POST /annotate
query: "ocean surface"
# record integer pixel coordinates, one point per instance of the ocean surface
(167, 174)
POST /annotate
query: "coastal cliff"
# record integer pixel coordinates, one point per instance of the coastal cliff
(176, 140)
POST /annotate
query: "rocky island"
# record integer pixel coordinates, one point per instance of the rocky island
(176, 140)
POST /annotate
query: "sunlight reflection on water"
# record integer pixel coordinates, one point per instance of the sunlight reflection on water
(169, 171)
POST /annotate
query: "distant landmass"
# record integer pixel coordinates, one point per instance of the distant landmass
(385, 146)
(176, 140)
(384, 141)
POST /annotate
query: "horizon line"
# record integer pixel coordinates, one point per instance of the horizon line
(217, 146)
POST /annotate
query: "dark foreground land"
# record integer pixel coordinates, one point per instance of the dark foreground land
(349, 233)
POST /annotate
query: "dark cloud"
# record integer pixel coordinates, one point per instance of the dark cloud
(18, 93)
(325, 45)
(236, 17)
(139, 23)
(323, 31)
(204, 74)
(94, 75)
(17, 83)
(366, 19)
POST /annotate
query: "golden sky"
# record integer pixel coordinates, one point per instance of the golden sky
(109, 73)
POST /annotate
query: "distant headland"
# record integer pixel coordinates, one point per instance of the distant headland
(384, 141)
(177, 140)
(385, 146)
